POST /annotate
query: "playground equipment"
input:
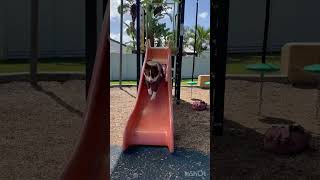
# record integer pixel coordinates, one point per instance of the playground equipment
(151, 122)
(218, 56)
(315, 69)
(294, 56)
(192, 83)
(262, 69)
(88, 161)
(202, 81)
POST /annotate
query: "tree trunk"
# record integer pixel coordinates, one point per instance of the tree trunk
(151, 37)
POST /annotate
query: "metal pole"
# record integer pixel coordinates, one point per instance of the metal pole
(34, 41)
(172, 71)
(174, 19)
(146, 22)
(104, 6)
(91, 39)
(121, 42)
(266, 32)
(220, 60)
(6, 39)
(177, 45)
(318, 100)
(260, 92)
(195, 41)
(269, 42)
(138, 42)
(213, 59)
(179, 58)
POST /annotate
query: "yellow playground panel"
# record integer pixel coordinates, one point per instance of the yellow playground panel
(294, 56)
(202, 79)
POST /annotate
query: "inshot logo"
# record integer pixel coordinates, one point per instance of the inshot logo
(199, 173)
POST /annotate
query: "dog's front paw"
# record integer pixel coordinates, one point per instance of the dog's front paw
(150, 91)
(153, 96)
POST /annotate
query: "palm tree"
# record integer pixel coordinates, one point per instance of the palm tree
(129, 6)
(155, 11)
(203, 38)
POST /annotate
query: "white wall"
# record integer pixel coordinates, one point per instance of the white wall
(61, 28)
(129, 66)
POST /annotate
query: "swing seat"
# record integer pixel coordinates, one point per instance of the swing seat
(191, 82)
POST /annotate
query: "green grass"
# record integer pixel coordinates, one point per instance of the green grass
(236, 64)
(44, 65)
(124, 82)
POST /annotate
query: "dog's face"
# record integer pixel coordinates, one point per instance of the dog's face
(151, 72)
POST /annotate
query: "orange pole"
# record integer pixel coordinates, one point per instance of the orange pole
(90, 159)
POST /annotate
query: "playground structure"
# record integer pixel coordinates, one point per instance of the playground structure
(202, 79)
(218, 55)
(93, 145)
(295, 56)
(149, 125)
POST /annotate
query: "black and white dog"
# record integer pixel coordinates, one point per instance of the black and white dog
(154, 75)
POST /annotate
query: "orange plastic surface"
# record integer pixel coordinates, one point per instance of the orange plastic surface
(151, 122)
(90, 159)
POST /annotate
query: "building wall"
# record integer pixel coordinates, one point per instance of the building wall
(62, 26)
(290, 21)
(3, 29)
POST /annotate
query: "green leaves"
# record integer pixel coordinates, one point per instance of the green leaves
(203, 38)
(155, 10)
(125, 9)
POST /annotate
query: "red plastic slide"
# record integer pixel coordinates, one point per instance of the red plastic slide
(151, 122)
(90, 159)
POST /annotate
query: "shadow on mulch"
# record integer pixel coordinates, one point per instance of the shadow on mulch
(304, 85)
(157, 163)
(275, 120)
(239, 154)
(58, 100)
(127, 92)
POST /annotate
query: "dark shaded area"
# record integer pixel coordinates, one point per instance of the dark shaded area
(157, 163)
(239, 154)
(58, 100)
(275, 120)
(305, 85)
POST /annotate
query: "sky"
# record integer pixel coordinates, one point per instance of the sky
(190, 18)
